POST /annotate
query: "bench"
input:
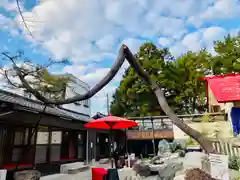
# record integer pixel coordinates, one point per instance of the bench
(73, 168)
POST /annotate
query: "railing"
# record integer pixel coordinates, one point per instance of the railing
(226, 148)
(164, 123)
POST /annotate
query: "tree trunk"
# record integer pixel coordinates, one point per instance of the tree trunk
(205, 143)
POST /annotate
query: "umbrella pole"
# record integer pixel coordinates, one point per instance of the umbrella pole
(111, 147)
(126, 141)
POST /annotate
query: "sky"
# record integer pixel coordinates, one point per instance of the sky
(89, 33)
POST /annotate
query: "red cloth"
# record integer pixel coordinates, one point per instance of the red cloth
(98, 173)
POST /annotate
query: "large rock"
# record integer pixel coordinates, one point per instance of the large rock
(27, 175)
(141, 168)
(168, 172)
(161, 162)
(170, 158)
(164, 148)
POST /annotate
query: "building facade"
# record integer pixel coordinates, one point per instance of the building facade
(223, 94)
(74, 87)
(33, 135)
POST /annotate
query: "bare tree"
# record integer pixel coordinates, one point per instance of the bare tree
(124, 53)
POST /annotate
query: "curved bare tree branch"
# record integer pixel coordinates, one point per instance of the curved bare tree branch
(125, 53)
(80, 97)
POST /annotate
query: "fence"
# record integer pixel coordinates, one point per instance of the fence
(226, 148)
(163, 122)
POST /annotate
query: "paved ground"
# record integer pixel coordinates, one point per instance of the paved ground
(86, 175)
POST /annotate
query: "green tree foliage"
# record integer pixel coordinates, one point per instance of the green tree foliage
(134, 97)
(180, 79)
(227, 59)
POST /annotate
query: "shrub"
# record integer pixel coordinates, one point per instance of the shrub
(197, 174)
(233, 163)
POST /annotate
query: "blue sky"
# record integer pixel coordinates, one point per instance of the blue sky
(90, 33)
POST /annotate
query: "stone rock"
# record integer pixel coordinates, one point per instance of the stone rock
(133, 176)
(193, 160)
(164, 148)
(27, 175)
(156, 167)
(168, 172)
(170, 157)
(141, 168)
(180, 177)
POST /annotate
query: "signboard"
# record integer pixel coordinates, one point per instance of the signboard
(193, 160)
(219, 166)
(42, 137)
(3, 174)
(149, 134)
(56, 137)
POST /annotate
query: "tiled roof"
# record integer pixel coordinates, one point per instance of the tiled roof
(38, 106)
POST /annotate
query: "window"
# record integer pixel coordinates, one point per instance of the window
(86, 103)
(18, 138)
(77, 103)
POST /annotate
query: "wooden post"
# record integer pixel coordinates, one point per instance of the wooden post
(35, 131)
(49, 153)
(153, 137)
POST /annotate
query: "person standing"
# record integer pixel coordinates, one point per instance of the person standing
(116, 157)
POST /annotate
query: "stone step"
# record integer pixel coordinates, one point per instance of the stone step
(103, 161)
(55, 177)
(73, 168)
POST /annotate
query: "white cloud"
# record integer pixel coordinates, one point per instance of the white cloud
(192, 41)
(164, 41)
(203, 38)
(220, 9)
(106, 43)
(214, 33)
(133, 44)
(9, 25)
(88, 32)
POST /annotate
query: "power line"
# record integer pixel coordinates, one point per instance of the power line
(23, 20)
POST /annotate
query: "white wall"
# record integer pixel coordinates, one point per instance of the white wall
(224, 128)
(73, 87)
(80, 87)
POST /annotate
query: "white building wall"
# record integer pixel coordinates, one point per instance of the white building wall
(74, 87)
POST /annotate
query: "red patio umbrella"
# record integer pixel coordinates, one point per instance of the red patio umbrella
(111, 122)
